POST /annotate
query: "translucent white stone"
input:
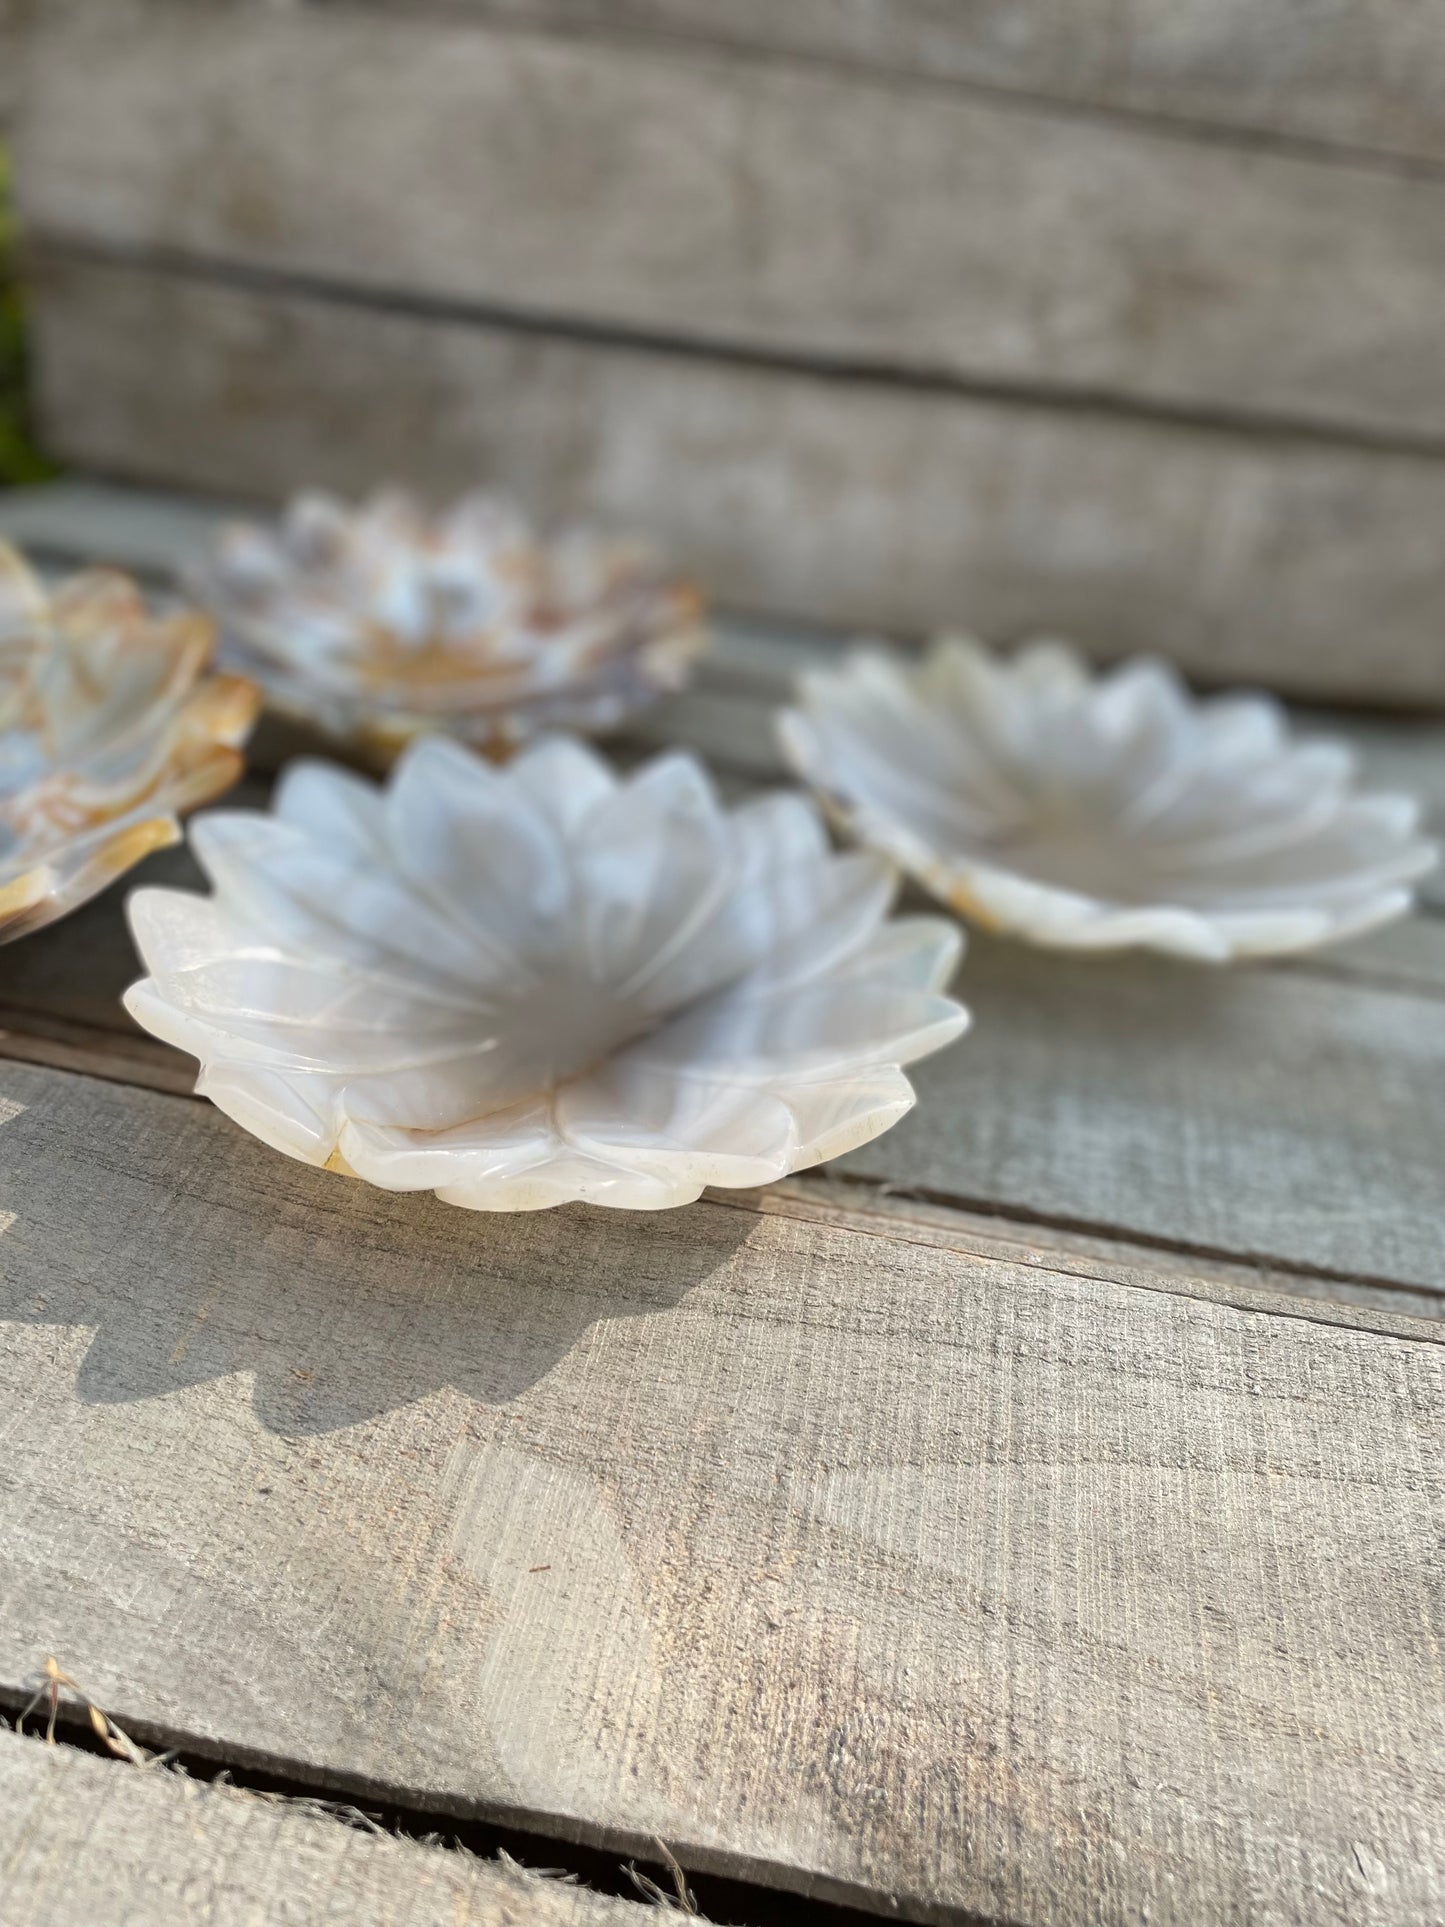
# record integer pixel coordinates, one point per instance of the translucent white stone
(528, 985)
(380, 623)
(1099, 811)
(108, 729)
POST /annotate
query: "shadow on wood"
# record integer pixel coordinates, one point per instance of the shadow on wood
(351, 1303)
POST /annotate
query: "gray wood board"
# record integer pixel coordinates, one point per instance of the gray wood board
(1250, 1113)
(1371, 74)
(813, 215)
(1315, 569)
(1409, 955)
(874, 1569)
(987, 1232)
(84, 1839)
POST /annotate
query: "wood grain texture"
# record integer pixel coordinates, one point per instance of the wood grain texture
(1261, 1113)
(873, 1569)
(1371, 74)
(83, 1839)
(102, 1048)
(988, 1232)
(32, 1036)
(1274, 1117)
(811, 215)
(1409, 955)
(1254, 558)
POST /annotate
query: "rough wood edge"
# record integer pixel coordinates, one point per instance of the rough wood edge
(121, 1836)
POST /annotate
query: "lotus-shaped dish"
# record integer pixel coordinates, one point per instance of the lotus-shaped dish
(1096, 812)
(381, 623)
(528, 985)
(108, 729)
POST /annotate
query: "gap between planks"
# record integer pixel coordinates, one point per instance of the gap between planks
(122, 1057)
(95, 1836)
(1109, 1252)
(559, 1882)
(1234, 314)
(868, 369)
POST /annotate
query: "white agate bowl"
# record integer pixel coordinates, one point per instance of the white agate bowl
(108, 729)
(1096, 812)
(523, 986)
(381, 623)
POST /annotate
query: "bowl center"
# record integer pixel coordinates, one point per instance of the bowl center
(1072, 850)
(564, 1025)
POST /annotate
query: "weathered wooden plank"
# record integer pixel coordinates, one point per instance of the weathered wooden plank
(87, 1839)
(1050, 1247)
(865, 1567)
(1409, 955)
(1371, 75)
(104, 1051)
(32, 1036)
(1256, 558)
(778, 209)
(1261, 1113)
(1403, 754)
(103, 1043)
(82, 971)
(76, 522)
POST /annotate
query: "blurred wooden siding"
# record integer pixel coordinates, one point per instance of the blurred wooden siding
(10, 13)
(889, 316)
(1365, 73)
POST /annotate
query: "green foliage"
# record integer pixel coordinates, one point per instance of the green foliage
(20, 461)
